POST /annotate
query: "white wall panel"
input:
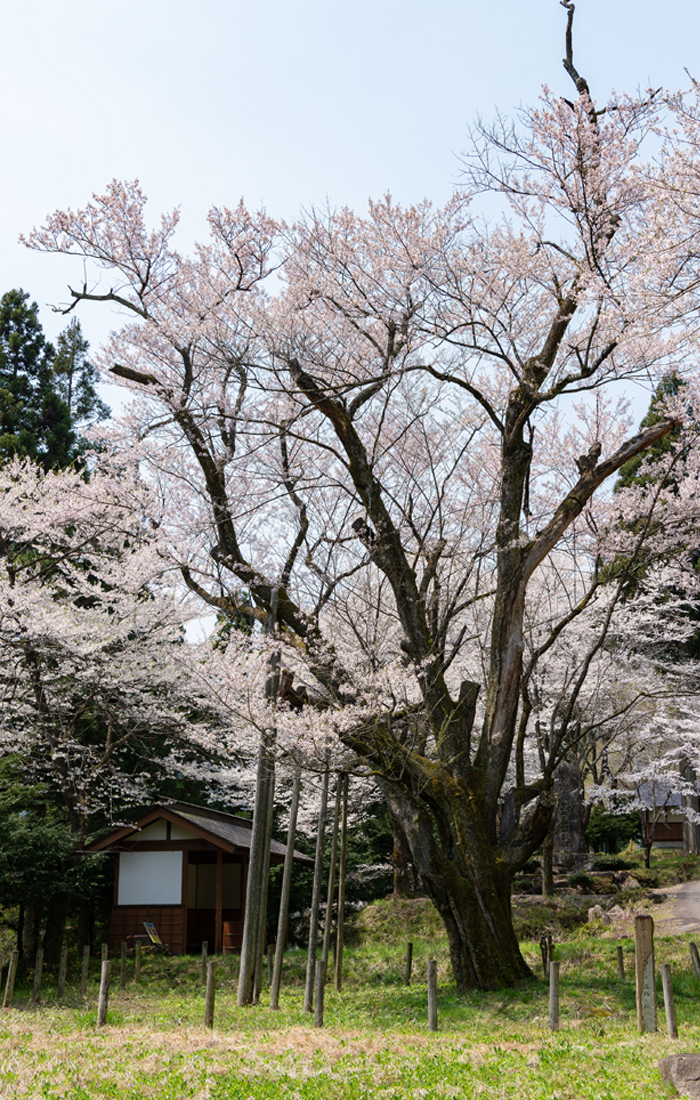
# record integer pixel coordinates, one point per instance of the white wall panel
(150, 878)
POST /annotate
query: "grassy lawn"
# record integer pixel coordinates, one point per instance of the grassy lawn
(375, 1042)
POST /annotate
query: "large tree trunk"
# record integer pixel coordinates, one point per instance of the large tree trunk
(56, 919)
(691, 829)
(399, 859)
(466, 881)
(32, 918)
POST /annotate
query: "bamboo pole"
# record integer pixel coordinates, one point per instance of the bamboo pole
(286, 888)
(340, 924)
(331, 882)
(122, 966)
(137, 962)
(316, 898)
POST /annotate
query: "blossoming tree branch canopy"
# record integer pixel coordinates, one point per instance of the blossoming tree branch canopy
(389, 438)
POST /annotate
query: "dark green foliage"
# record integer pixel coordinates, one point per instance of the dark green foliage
(612, 863)
(369, 870)
(35, 421)
(645, 877)
(610, 831)
(34, 854)
(76, 378)
(670, 386)
(532, 867)
(533, 918)
(580, 878)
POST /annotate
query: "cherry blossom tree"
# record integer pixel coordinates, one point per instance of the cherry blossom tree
(93, 688)
(377, 443)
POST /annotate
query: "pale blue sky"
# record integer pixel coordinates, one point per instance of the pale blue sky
(286, 102)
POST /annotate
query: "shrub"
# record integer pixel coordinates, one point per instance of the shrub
(612, 863)
(580, 878)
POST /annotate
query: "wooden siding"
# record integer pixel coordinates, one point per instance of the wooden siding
(127, 920)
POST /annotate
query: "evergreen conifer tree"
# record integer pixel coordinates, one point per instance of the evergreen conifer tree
(35, 421)
(76, 378)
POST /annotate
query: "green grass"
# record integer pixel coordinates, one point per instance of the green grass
(375, 1042)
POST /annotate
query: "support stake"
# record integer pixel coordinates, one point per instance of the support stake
(210, 995)
(11, 975)
(84, 971)
(409, 963)
(62, 968)
(669, 1006)
(554, 996)
(318, 1007)
(104, 993)
(36, 989)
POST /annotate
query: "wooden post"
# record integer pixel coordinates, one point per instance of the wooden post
(254, 878)
(270, 962)
(137, 962)
(331, 881)
(341, 888)
(644, 973)
(620, 963)
(409, 963)
(104, 954)
(264, 889)
(432, 995)
(84, 971)
(62, 968)
(554, 996)
(316, 898)
(255, 919)
(104, 993)
(218, 912)
(36, 989)
(205, 955)
(210, 995)
(546, 949)
(286, 888)
(669, 1006)
(695, 959)
(11, 975)
(318, 1007)
(122, 967)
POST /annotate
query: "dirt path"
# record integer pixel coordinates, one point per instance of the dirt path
(681, 913)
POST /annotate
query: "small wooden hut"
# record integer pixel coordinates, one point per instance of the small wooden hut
(184, 868)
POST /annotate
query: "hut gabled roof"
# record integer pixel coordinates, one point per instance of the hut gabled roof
(226, 831)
